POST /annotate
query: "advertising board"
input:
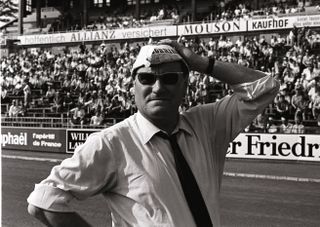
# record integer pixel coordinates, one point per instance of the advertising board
(298, 147)
(217, 27)
(213, 28)
(33, 139)
(270, 24)
(307, 21)
(76, 137)
(99, 35)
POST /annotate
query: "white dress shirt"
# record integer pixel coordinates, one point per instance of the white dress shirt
(135, 170)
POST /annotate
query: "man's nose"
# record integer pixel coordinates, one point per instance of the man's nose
(158, 85)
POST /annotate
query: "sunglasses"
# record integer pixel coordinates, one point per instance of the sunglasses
(169, 78)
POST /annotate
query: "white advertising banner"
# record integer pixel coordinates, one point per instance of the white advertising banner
(310, 21)
(270, 24)
(212, 28)
(99, 35)
(299, 147)
(221, 27)
(277, 23)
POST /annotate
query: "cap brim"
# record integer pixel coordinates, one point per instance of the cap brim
(156, 54)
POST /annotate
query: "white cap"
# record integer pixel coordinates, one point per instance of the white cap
(156, 54)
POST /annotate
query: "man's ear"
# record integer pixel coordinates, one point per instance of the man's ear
(186, 80)
(185, 85)
(134, 82)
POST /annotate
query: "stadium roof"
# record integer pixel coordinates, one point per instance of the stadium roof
(8, 12)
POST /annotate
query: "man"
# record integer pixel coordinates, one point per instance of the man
(138, 169)
(315, 104)
(300, 103)
(15, 110)
(298, 126)
(260, 123)
(271, 126)
(96, 119)
(286, 126)
(57, 102)
(282, 106)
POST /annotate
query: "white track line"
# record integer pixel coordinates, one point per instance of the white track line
(229, 174)
(31, 158)
(272, 177)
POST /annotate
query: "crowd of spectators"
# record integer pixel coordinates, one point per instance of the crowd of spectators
(173, 13)
(119, 19)
(124, 18)
(234, 10)
(91, 85)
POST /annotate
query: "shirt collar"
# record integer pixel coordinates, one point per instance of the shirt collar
(148, 130)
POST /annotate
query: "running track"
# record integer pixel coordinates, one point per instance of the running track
(254, 193)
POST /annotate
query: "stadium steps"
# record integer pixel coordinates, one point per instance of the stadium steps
(56, 122)
(4, 108)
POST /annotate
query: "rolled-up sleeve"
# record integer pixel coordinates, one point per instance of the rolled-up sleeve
(217, 124)
(233, 113)
(90, 170)
(253, 90)
(239, 109)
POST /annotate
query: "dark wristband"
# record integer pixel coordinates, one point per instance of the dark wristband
(210, 65)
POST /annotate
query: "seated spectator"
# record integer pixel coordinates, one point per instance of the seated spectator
(97, 119)
(243, 61)
(153, 18)
(80, 85)
(286, 126)
(316, 68)
(126, 107)
(288, 77)
(68, 102)
(271, 127)
(175, 16)
(307, 59)
(78, 115)
(81, 99)
(57, 102)
(282, 107)
(114, 109)
(49, 96)
(18, 89)
(307, 75)
(300, 103)
(312, 87)
(37, 82)
(259, 123)
(298, 126)
(15, 110)
(4, 89)
(315, 105)
(66, 85)
(107, 104)
(26, 93)
(127, 81)
(295, 68)
(292, 37)
(161, 14)
(95, 102)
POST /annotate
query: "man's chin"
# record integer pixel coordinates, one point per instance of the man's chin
(159, 111)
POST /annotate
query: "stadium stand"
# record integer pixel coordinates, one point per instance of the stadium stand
(54, 19)
(92, 87)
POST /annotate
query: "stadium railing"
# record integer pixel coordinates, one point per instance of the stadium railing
(161, 22)
(52, 122)
(65, 122)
